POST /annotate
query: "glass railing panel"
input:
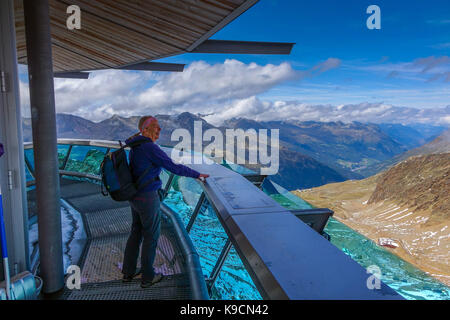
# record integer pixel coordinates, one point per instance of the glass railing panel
(284, 197)
(209, 238)
(183, 197)
(190, 189)
(164, 176)
(85, 159)
(238, 168)
(400, 275)
(234, 282)
(174, 200)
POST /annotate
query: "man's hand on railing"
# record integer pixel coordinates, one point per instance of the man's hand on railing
(202, 177)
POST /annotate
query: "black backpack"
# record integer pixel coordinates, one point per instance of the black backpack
(116, 175)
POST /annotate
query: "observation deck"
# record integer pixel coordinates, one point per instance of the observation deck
(228, 238)
(238, 236)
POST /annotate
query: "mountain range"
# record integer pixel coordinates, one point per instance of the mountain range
(440, 144)
(311, 153)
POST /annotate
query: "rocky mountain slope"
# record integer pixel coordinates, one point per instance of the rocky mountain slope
(440, 144)
(409, 203)
(421, 183)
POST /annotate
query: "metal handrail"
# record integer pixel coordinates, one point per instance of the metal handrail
(196, 278)
(81, 142)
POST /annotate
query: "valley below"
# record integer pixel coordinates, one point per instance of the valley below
(409, 203)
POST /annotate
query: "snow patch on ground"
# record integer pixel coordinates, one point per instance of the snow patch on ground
(386, 212)
(396, 214)
(71, 228)
(403, 216)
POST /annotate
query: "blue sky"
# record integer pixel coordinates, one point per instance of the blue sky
(339, 70)
(375, 64)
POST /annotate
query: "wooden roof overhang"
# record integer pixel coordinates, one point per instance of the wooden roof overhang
(123, 33)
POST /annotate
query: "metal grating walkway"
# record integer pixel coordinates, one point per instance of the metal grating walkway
(172, 287)
(107, 225)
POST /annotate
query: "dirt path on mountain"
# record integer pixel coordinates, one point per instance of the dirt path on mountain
(425, 245)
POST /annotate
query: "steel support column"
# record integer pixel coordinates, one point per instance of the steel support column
(42, 98)
(12, 166)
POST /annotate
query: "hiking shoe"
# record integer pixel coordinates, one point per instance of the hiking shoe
(158, 277)
(127, 278)
(130, 278)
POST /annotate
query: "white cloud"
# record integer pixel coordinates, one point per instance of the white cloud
(230, 89)
(423, 69)
(200, 88)
(330, 63)
(202, 82)
(254, 108)
(105, 93)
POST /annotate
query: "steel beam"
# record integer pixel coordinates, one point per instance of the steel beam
(154, 66)
(243, 47)
(72, 75)
(42, 96)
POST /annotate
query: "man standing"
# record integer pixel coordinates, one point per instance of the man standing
(145, 206)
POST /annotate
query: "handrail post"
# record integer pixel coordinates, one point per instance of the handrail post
(63, 167)
(168, 185)
(219, 264)
(196, 211)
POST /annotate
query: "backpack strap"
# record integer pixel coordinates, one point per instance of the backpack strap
(143, 175)
(151, 166)
(103, 183)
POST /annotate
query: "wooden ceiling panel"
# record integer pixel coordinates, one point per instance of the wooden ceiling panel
(124, 32)
(68, 61)
(141, 20)
(110, 44)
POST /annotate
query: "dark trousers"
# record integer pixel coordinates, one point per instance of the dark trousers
(145, 228)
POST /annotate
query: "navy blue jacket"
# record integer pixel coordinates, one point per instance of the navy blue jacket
(150, 153)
